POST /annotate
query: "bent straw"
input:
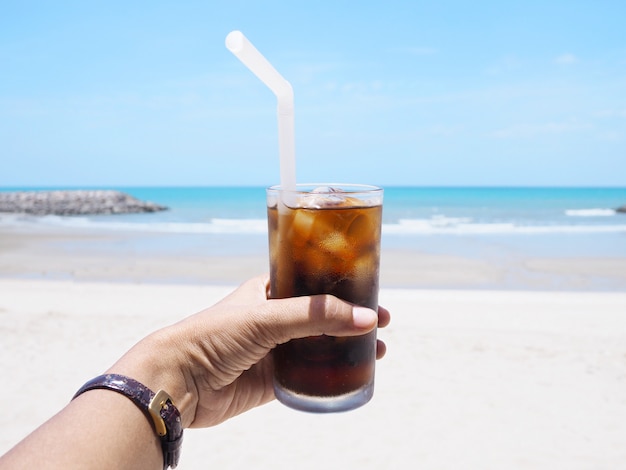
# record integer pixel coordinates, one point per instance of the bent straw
(243, 49)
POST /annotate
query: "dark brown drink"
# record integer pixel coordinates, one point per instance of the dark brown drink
(326, 243)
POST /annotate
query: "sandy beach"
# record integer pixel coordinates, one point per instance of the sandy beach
(528, 374)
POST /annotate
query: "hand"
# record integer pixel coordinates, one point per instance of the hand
(217, 362)
(215, 365)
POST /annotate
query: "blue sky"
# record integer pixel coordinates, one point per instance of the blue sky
(394, 93)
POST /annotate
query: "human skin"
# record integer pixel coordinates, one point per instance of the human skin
(215, 364)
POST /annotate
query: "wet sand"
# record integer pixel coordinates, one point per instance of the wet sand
(140, 258)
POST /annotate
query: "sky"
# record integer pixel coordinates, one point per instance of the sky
(420, 93)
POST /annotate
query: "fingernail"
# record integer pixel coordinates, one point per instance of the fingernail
(363, 317)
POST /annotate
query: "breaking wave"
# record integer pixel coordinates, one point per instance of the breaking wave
(411, 226)
(591, 212)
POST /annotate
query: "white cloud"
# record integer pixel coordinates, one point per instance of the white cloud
(611, 113)
(357, 87)
(414, 50)
(421, 50)
(566, 59)
(309, 72)
(612, 136)
(533, 130)
(506, 64)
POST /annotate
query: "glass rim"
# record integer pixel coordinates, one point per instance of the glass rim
(343, 188)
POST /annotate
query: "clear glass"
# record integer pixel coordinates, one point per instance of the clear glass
(325, 239)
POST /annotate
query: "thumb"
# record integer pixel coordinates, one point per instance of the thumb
(299, 317)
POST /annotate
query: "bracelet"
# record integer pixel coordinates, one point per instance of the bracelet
(158, 408)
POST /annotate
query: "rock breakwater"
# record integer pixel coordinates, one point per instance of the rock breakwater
(74, 202)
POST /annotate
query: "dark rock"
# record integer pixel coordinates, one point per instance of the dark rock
(621, 209)
(74, 202)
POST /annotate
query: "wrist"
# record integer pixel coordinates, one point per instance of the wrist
(155, 363)
(158, 407)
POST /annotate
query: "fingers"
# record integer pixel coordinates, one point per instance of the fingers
(280, 320)
(364, 318)
(381, 349)
(257, 289)
(327, 315)
(299, 317)
(384, 317)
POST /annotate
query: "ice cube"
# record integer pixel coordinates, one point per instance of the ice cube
(364, 274)
(335, 243)
(323, 196)
(301, 228)
(361, 227)
(325, 190)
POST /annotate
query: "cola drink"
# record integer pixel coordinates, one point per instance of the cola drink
(325, 240)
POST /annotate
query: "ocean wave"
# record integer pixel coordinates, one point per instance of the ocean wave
(591, 212)
(213, 226)
(437, 225)
(466, 227)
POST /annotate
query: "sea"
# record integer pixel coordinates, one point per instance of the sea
(468, 221)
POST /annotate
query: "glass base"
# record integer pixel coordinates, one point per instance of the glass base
(316, 404)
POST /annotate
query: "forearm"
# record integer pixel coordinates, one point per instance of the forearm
(99, 429)
(104, 429)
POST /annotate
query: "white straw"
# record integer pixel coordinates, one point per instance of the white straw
(243, 49)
